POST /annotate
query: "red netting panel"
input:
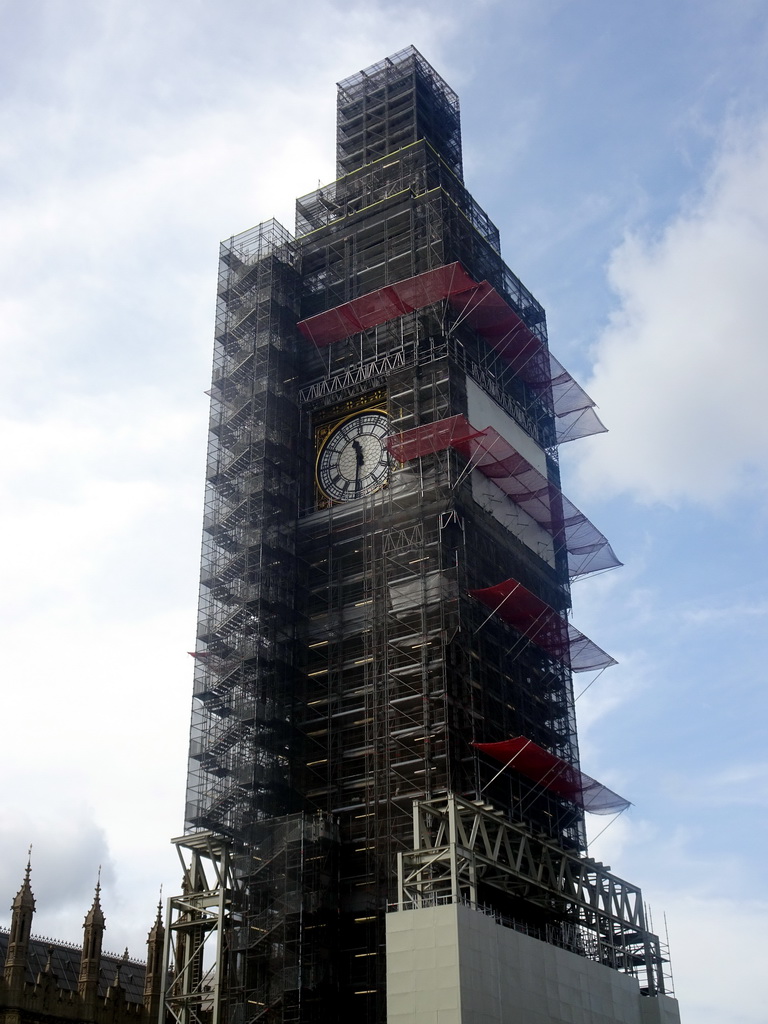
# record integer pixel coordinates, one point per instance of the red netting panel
(385, 304)
(430, 438)
(487, 312)
(377, 307)
(424, 289)
(486, 450)
(332, 325)
(555, 774)
(495, 457)
(544, 626)
(529, 615)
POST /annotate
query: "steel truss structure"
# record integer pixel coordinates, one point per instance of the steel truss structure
(461, 846)
(198, 924)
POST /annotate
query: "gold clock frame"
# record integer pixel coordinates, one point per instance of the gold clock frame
(328, 420)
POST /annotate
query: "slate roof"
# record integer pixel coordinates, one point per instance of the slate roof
(65, 964)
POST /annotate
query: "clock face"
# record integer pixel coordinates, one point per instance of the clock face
(354, 460)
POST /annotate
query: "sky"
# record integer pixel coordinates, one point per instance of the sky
(622, 150)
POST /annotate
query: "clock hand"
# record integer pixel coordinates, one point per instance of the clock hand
(359, 461)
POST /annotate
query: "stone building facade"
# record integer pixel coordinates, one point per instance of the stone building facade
(47, 982)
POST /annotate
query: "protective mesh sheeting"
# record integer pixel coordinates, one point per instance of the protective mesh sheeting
(486, 450)
(430, 438)
(553, 773)
(544, 626)
(384, 304)
(574, 409)
(580, 423)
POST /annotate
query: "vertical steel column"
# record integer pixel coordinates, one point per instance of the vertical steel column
(194, 954)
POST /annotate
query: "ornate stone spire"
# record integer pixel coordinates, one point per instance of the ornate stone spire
(95, 916)
(23, 907)
(153, 979)
(157, 931)
(90, 962)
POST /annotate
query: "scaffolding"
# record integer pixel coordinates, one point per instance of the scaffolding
(241, 743)
(348, 662)
(399, 100)
(285, 924)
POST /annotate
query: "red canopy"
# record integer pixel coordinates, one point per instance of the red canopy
(544, 626)
(487, 451)
(555, 774)
(431, 438)
(487, 313)
(384, 304)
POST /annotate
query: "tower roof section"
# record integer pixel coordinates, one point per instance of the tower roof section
(392, 104)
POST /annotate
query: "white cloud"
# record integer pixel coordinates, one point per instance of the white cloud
(724, 615)
(734, 784)
(680, 370)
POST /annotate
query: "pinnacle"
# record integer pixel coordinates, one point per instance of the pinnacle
(95, 916)
(25, 896)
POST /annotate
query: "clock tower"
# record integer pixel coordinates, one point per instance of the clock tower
(383, 673)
